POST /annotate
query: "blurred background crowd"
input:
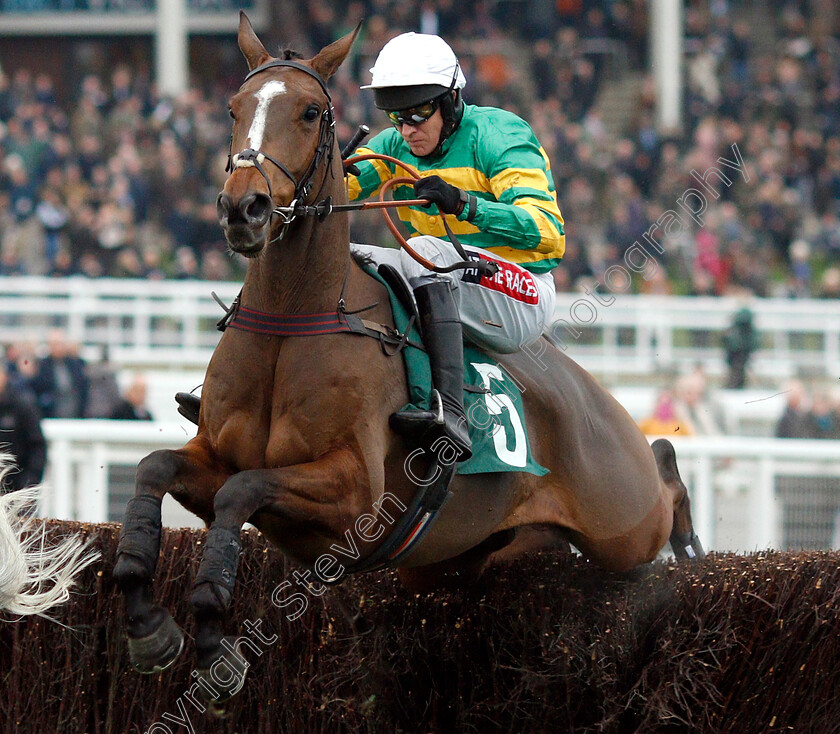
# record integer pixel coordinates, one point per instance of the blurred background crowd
(107, 178)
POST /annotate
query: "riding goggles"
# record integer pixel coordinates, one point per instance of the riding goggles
(413, 115)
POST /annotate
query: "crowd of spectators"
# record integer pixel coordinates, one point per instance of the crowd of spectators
(688, 406)
(115, 180)
(685, 408)
(809, 413)
(58, 382)
(52, 380)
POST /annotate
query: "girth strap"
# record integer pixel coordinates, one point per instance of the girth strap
(314, 324)
(281, 324)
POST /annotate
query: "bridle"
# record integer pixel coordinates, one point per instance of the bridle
(249, 157)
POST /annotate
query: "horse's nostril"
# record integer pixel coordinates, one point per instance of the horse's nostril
(222, 205)
(252, 210)
(257, 209)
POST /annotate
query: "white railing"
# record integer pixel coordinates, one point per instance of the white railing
(172, 324)
(81, 456)
(735, 487)
(645, 334)
(140, 322)
(736, 484)
(122, 18)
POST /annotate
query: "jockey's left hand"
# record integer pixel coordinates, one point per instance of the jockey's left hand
(448, 198)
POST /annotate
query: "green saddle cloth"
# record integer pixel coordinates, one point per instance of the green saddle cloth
(494, 405)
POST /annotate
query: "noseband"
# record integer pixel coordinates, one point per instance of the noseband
(249, 157)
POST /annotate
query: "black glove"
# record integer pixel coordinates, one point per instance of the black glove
(447, 197)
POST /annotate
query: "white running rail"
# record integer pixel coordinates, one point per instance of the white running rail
(149, 324)
(747, 493)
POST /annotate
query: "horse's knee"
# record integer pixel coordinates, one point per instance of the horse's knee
(216, 578)
(139, 542)
(239, 497)
(131, 570)
(156, 472)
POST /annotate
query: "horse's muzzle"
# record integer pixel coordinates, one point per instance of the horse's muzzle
(245, 222)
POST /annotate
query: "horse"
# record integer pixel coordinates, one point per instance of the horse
(36, 574)
(293, 433)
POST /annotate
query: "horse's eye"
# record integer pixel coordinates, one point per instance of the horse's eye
(311, 113)
(230, 112)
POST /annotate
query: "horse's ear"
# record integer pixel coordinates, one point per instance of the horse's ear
(330, 57)
(250, 45)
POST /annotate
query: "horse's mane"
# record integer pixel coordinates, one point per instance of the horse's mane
(362, 259)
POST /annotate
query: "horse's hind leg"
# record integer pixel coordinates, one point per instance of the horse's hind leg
(154, 640)
(684, 541)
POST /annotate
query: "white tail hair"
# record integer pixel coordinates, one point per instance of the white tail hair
(36, 574)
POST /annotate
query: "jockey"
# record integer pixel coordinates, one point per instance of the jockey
(486, 167)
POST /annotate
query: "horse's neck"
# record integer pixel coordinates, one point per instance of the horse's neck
(304, 272)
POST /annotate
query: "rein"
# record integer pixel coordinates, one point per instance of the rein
(325, 207)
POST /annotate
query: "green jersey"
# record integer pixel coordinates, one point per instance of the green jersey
(494, 155)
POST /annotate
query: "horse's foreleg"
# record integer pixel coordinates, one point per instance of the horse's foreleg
(320, 494)
(684, 541)
(239, 498)
(154, 639)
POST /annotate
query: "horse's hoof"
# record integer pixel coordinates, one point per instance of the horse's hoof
(223, 679)
(157, 651)
(687, 547)
(697, 547)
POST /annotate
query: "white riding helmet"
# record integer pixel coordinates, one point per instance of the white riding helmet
(412, 69)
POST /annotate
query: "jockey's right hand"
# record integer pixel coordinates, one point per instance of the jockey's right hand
(448, 198)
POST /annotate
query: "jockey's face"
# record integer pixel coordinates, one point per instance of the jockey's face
(422, 138)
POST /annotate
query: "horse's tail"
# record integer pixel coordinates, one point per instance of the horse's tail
(35, 574)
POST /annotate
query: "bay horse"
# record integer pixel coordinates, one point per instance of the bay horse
(293, 432)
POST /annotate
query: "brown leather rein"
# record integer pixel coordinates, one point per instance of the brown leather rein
(385, 205)
(326, 207)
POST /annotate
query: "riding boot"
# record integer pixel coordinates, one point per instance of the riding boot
(443, 338)
(188, 405)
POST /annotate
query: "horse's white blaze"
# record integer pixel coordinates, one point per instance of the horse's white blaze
(35, 573)
(267, 92)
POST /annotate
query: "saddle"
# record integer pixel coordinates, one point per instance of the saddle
(492, 398)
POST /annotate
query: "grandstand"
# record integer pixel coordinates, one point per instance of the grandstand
(112, 143)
